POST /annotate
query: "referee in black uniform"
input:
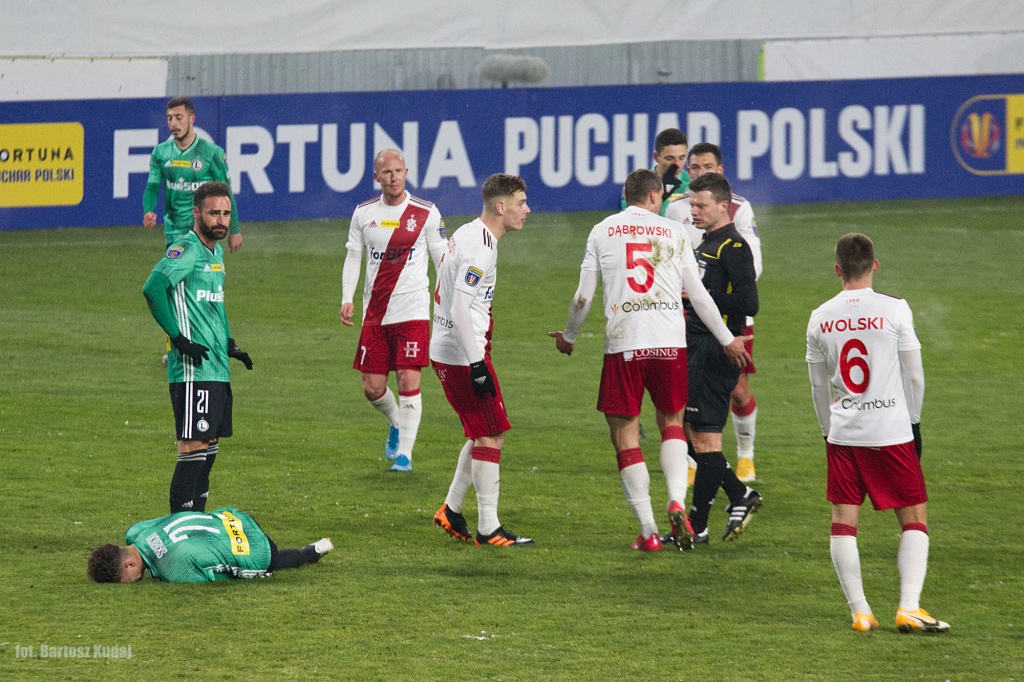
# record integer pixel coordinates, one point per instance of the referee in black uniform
(727, 268)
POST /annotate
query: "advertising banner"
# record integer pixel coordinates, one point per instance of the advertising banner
(311, 156)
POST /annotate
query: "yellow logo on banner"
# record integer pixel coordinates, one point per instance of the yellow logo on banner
(233, 525)
(41, 164)
(988, 135)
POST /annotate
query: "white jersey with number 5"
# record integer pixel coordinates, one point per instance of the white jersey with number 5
(470, 265)
(641, 257)
(859, 335)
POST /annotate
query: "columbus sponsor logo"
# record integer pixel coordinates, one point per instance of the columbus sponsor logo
(861, 406)
(643, 306)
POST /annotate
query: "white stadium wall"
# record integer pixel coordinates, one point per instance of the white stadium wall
(34, 78)
(68, 49)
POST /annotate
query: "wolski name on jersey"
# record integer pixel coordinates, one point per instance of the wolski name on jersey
(639, 231)
(211, 296)
(852, 324)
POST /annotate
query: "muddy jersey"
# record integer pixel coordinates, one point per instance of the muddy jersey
(641, 258)
(470, 265)
(859, 334)
(397, 242)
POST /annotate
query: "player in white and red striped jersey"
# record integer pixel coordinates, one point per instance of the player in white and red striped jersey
(460, 352)
(705, 157)
(645, 261)
(867, 383)
(395, 231)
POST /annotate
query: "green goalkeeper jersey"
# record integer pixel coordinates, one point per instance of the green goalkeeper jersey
(181, 171)
(196, 547)
(683, 176)
(196, 276)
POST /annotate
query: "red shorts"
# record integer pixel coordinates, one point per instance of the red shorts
(662, 371)
(480, 416)
(890, 475)
(390, 347)
(749, 345)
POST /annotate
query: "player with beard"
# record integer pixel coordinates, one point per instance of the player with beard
(185, 293)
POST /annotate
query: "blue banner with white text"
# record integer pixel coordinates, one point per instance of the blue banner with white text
(85, 163)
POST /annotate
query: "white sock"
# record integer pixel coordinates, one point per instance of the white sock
(636, 483)
(674, 465)
(462, 480)
(387, 406)
(487, 482)
(746, 429)
(691, 462)
(846, 559)
(410, 409)
(912, 560)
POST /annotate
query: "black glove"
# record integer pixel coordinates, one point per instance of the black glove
(916, 428)
(239, 354)
(197, 352)
(671, 181)
(483, 382)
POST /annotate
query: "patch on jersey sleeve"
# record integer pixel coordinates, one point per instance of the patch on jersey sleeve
(440, 229)
(473, 276)
(175, 251)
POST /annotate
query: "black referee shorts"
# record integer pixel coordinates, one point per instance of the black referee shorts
(712, 378)
(202, 409)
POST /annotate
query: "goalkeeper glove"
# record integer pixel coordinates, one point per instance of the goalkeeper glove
(197, 352)
(239, 354)
(671, 181)
(483, 382)
(916, 428)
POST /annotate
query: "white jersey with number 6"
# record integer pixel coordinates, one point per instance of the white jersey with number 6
(641, 257)
(859, 335)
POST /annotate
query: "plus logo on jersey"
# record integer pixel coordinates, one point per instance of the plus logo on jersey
(412, 349)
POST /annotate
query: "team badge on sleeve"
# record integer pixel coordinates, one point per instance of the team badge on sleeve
(440, 229)
(175, 251)
(473, 276)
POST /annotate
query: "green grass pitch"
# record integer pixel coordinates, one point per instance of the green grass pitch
(86, 449)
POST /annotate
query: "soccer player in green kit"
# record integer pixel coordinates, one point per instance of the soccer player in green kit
(189, 547)
(185, 293)
(669, 160)
(182, 164)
